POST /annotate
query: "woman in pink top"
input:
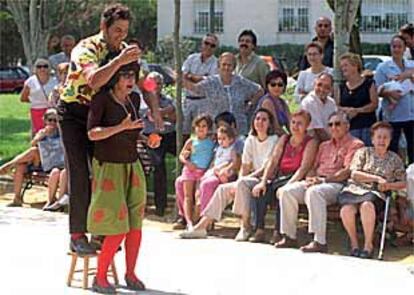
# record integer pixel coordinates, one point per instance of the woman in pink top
(291, 160)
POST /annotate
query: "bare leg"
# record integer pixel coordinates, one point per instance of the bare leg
(367, 211)
(52, 185)
(63, 183)
(188, 201)
(18, 182)
(204, 223)
(31, 155)
(245, 221)
(348, 213)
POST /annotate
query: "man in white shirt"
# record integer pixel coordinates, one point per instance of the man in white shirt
(320, 105)
(195, 68)
(66, 44)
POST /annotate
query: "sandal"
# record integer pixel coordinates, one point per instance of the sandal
(355, 252)
(136, 285)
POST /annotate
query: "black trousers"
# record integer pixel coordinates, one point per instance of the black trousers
(78, 154)
(408, 128)
(168, 145)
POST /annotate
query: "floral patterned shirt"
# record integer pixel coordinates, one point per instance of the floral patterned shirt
(391, 168)
(88, 54)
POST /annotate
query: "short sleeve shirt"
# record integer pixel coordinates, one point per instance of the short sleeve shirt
(255, 70)
(194, 65)
(318, 110)
(39, 94)
(232, 98)
(57, 59)
(87, 55)
(104, 111)
(391, 168)
(258, 152)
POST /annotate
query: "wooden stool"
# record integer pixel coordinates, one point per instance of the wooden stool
(87, 270)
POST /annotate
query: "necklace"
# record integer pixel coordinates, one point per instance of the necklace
(116, 99)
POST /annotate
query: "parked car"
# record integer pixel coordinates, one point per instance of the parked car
(168, 73)
(372, 61)
(12, 79)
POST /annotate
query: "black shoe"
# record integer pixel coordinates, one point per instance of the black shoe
(96, 242)
(366, 254)
(103, 290)
(81, 247)
(355, 252)
(134, 285)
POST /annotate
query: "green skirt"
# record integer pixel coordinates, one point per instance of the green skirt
(118, 198)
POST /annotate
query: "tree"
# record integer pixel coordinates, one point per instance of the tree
(35, 23)
(178, 62)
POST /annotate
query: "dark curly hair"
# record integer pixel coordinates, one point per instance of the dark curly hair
(115, 12)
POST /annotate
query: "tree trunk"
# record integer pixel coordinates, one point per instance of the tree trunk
(178, 62)
(342, 30)
(212, 16)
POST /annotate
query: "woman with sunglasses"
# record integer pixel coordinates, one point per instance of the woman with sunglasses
(306, 78)
(36, 91)
(276, 82)
(50, 161)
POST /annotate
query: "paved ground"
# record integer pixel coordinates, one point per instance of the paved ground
(33, 260)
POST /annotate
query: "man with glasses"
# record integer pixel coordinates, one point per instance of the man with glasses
(323, 30)
(196, 68)
(321, 187)
(320, 105)
(249, 64)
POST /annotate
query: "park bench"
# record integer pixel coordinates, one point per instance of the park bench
(32, 178)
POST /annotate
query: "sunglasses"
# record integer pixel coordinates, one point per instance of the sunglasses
(274, 84)
(336, 124)
(212, 45)
(127, 75)
(51, 120)
(42, 66)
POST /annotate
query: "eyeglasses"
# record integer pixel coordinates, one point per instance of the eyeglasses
(127, 75)
(212, 45)
(42, 66)
(274, 84)
(336, 124)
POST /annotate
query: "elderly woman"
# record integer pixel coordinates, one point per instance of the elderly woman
(36, 91)
(228, 92)
(306, 78)
(276, 82)
(398, 103)
(118, 182)
(257, 149)
(374, 171)
(291, 159)
(357, 97)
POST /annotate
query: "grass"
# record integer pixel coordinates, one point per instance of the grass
(14, 126)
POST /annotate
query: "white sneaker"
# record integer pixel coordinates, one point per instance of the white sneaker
(64, 200)
(243, 235)
(193, 234)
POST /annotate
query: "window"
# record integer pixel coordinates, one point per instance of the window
(294, 16)
(202, 16)
(384, 16)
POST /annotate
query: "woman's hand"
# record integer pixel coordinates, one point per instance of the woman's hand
(351, 112)
(259, 189)
(128, 124)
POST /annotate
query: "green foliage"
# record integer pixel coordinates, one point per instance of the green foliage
(14, 126)
(165, 50)
(11, 48)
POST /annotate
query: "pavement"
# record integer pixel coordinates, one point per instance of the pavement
(33, 260)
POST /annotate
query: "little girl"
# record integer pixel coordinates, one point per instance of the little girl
(224, 167)
(196, 156)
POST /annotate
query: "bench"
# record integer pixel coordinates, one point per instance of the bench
(34, 178)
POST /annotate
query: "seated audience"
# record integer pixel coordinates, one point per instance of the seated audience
(167, 145)
(196, 156)
(46, 154)
(321, 187)
(358, 97)
(257, 149)
(276, 82)
(291, 159)
(320, 106)
(36, 91)
(306, 78)
(374, 171)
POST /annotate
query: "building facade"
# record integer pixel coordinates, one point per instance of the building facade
(279, 21)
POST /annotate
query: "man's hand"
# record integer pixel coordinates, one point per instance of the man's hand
(310, 181)
(129, 54)
(259, 189)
